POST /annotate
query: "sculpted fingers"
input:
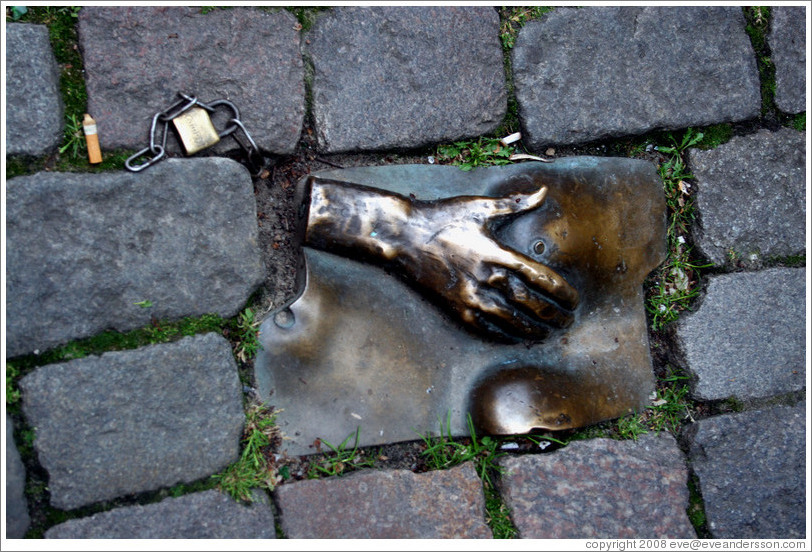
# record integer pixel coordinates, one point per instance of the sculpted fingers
(488, 312)
(514, 203)
(524, 299)
(546, 281)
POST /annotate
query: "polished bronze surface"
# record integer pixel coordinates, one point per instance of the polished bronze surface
(447, 248)
(512, 293)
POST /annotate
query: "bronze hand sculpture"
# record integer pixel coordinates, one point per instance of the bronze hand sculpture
(447, 249)
(513, 294)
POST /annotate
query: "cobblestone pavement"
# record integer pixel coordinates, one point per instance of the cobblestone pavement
(88, 252)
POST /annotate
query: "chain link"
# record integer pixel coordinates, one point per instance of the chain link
(156, 151)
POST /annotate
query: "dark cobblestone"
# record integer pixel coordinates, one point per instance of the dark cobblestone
(752, 474)
(600, 489)
(396, 504)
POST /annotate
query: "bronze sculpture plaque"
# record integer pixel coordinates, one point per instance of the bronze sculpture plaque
(511, 293)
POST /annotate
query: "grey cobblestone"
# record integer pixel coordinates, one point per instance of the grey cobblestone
(133, 421)
(204, 515)
(16, 511)
(34, 110)
(596, 72)
(750, 196)
(399, 77)
(751, 473)
(787, 41)
(85, 251)
(138, 58)
(746, 339)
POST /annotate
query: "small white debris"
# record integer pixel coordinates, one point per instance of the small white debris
(680, 239)
(550, 152)
(649, 148)
(753, 256)
(509, 139)
(659, 402)
(430, 389)
(662, 308)
(510, 446)
(544, 444)
(522, 156)
(431, 160)
(356, 416)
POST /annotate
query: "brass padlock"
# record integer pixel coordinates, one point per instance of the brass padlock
(196, 130)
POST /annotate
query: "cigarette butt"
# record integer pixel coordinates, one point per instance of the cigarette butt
(92, 138)
(515, 137)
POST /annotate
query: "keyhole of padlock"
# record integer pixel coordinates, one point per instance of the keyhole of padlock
(195, 130)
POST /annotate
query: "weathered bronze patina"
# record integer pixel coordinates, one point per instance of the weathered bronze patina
(512, 293)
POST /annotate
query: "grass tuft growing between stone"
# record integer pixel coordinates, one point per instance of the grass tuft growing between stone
(513, 18)
(674, 285)
(442, 451)
(758, 27)
(497, 515)
(253, 469)
(342, 458)
(468, 155)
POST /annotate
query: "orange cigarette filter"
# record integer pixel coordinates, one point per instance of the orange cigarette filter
(92, 138)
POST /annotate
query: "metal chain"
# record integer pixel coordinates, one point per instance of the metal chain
(156, 151)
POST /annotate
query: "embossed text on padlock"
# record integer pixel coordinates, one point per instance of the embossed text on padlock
(196, 130)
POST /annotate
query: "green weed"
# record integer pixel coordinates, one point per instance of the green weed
(111, 340)
(74, 145)
(497, 515)
(253, 470)
(443, 452)
(696, 508)
(306, 16)
(341, 459)
(16, 12)
(631, 426)
(12, 393)
(799, 122)
(675, 284)
(758, 27)
(668, 412)
(468, 155)
(513, 18)
(248, 336)
(715, 135)
(791, 261)
(672, 406)
(733, 404)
